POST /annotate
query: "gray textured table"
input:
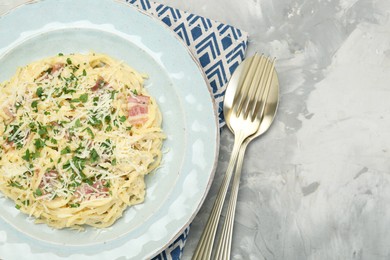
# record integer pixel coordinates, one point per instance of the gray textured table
(317, 185)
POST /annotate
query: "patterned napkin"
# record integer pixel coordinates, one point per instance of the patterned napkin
(219, 49)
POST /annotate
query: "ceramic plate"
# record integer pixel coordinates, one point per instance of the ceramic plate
(176, 190)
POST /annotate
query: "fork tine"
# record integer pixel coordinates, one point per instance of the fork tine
(256, 85)
(261, 84)
(262, 95)
(248, 87)
(243, 81)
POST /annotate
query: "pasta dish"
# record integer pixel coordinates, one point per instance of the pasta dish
(79, 133)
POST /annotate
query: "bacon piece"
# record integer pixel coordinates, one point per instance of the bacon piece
(54, 123)
(99, 185)
(100, 83)
(97, 190)
(58, 66)
(51, 71)
(7, 145)
(84, 190)
(48, 183)
(8, 112)
(138, 109)
(49, 179)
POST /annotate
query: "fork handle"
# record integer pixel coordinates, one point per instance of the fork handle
(225, 241)
(206, 242)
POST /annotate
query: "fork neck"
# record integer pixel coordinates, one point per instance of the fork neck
(239, 138)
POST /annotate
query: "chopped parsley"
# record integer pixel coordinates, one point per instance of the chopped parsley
(94, 121)
(16, 136)
(77, 123)
(90, 132)
(84, 98)
(18, 105)
(66, 150)
(94, 156)
(113, 93)
(74, 205)
(38, 192)
(113, 162)
(35, 155)
(122, 119)
(39, 92)
(107, 184)
(15, 184)
(39, 143)
(33, 127)
(27, 155)
(43, 131)
(34, 105)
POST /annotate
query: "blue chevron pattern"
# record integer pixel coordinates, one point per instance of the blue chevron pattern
(145, 5)
(204, 22)
(235, 56)
(163, 10)
(219, 48)
(216, 74)
(223, 28)
(210, 44)
(182, 31)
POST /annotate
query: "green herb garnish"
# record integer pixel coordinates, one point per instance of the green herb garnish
(39, 143)
(89, 131)
(77, 123)
(94, 155)
(66, 150)
(39, 91)
(84, 98)
(38, 192)
(34, 105)
(27, 155)
(15, 184)
(122, 119)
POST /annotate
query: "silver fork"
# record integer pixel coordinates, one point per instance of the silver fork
(268, 105)
(241, 117)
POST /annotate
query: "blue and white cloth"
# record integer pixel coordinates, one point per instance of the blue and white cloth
(219, 49)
